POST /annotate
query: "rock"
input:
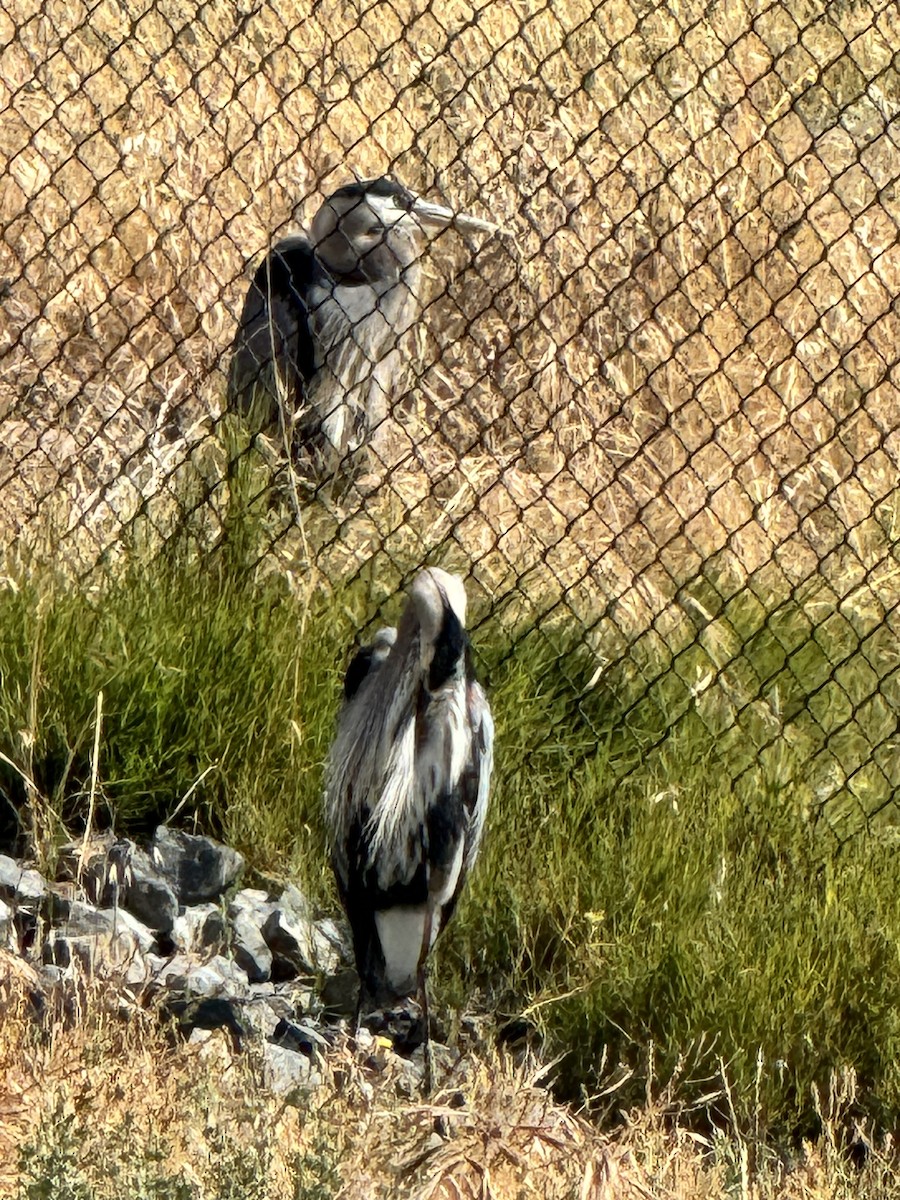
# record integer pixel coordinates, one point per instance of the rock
(57, 902)
(96, 952)
(251, 900)
(333, 947)
(76, 858)
(303, 1038)
(21, 885)
(106, 869)
(340, 992)
(209, 1013)
(287, 1071)
(259, 1015)
(249, 946)
(7, 926)
(85, 920)
(403, 1026)
(299, 943)
(219, 976)
(200, 927)
(295, 904)
(147, 895)
(116, 872)
(52, 976)
(100, 938)
(198, 868)
(247, 913)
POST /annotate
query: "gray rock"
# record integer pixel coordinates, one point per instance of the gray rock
(333, 946)
(57, 902)
(116, 872)
(52, 976)
(200, 927)
(219, 976)
(249, 946)
(75, 859)
(339, 993)
(198, 868)
(299, 1036)
(208, 1013)
(295, 904)
(147, 895)
(300, 943)
(287, 1071)
(7, 926)
(99, 939)
(260, 1014)
(85, 920)
(105, 871)
(22, 885)
(97, 953)
(253, 900)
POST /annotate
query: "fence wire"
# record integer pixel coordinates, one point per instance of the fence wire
(661, 407)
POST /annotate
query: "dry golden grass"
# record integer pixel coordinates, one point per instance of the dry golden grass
(683, 360)
(114, 1103)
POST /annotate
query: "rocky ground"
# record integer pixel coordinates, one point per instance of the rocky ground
(170, 925)
(168, 1035)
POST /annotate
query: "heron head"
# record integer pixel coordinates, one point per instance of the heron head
(433, 595)
(383, 643)
(374, 229)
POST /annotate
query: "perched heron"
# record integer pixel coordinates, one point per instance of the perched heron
(406, 789)
(315, 350)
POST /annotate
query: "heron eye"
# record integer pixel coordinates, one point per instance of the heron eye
(375, 229)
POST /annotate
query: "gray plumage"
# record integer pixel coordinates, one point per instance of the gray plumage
(406, 788)
(315, 354)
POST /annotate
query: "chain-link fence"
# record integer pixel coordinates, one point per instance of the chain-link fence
(661, 405)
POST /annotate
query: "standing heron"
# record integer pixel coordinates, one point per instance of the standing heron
(406, 789)
(315, 353)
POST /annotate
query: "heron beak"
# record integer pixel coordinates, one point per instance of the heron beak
(435, 216)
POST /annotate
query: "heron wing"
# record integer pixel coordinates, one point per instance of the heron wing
(478, 769)
(274, 353)
(455, 772)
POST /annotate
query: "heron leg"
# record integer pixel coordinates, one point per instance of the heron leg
(357, 1016)
(428, 1080)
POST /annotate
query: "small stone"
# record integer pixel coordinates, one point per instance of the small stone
(97, 952)
(52, 976)
(198, 868)
(219, 976)
(200, 927)
(295, 904)
(333, 949)
(286, 1070)
(209, 1012)
(139, 971)
(253, 898)
(21, 885)
(298, 942)
(302, 1038)
(85, 920)
(57, 902)
(145, 893)
(340, 992)
(260, 1015)
(249, 946)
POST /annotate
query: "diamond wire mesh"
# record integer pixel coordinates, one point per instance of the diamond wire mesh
(665, 407)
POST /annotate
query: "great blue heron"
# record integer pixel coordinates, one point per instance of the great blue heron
(406, 789)
(315, 350)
